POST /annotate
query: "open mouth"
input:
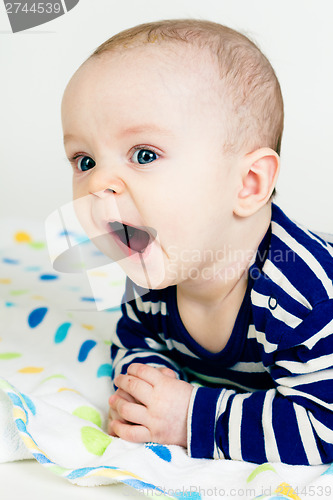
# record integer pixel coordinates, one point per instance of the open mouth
(135, 238)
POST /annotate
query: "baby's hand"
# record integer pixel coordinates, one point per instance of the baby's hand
(154, 408)
(114, 415)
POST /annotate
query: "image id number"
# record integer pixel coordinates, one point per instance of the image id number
(35, 8)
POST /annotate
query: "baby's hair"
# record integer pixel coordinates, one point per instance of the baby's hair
(254, 99)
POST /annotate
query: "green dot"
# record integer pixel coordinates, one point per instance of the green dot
(89, 413)
(10, 355)
(51, 377)
(258, 470)
(37, 245)
(18, 292)
(94, 440)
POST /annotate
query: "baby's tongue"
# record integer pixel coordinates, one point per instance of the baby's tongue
(138, 240)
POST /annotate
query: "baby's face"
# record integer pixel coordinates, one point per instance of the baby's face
(145, 130)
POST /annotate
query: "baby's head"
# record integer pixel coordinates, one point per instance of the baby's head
(174, 128)
(251, 105)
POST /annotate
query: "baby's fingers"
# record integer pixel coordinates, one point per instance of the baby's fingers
(130, 412)
(139, 389)
(134, 433)
(122, 394)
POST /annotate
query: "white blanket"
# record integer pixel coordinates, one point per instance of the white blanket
(54, 388)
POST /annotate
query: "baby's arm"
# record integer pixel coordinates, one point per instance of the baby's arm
(135, 341)
(291, 423)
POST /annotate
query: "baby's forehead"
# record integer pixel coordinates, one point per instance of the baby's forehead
(172, 59)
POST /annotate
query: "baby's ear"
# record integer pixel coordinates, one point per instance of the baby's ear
(258, 175)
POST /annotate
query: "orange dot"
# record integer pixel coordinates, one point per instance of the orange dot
(5, 281)
(22, 237)
(88, 327)
(31, 369)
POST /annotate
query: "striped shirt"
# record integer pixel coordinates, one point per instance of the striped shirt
(268, 395)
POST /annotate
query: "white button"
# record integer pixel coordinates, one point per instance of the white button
(272, 302)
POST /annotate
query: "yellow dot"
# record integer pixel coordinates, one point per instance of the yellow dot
(62, 389)
(88, 327)
(5, 281)
(31, 369)
(37, 297)
(286, 490)
(22, 237)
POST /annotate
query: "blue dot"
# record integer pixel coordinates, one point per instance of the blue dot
(85, 349)
(29, 404)
(10, 261)
(104, 370)
(113, 309)
(20, 425)
(36, 316)
(161, 451)
(66, 233)
(41, 458)
(79, 472)
(90, 299)
(16, 400)
(32, 268)
(48, 277)
(61, 332)
(9, 304)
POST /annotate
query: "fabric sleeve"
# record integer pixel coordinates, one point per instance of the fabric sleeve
(136, 340)
(291, 423)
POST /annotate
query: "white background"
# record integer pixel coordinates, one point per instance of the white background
(35, 66)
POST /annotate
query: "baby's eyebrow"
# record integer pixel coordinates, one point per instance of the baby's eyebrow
(145, 128)
(68, 137)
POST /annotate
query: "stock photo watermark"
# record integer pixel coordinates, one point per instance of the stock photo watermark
(81, 239)
(28, 13)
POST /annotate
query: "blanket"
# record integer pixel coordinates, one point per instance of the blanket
(55, 383)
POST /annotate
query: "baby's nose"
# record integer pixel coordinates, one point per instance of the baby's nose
(103, 183)
(105, 192)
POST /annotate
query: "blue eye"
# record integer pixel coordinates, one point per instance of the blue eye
(144, 156)
(85, 163)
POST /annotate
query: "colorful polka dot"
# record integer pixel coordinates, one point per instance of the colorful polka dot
(9, 355)
(90, 414)
(5, 281)
(85, 349)
(104, 371)
(36, 316)
(37, 245)
(63, 389)
(94, 440)
(6, 260)
(19, 292)
(31, 369)
(48, 277)
(88, 327)
(29, 404)
(161, 451)
(62, 332)
(22, 237)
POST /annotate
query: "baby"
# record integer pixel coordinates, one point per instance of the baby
(224, 347)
